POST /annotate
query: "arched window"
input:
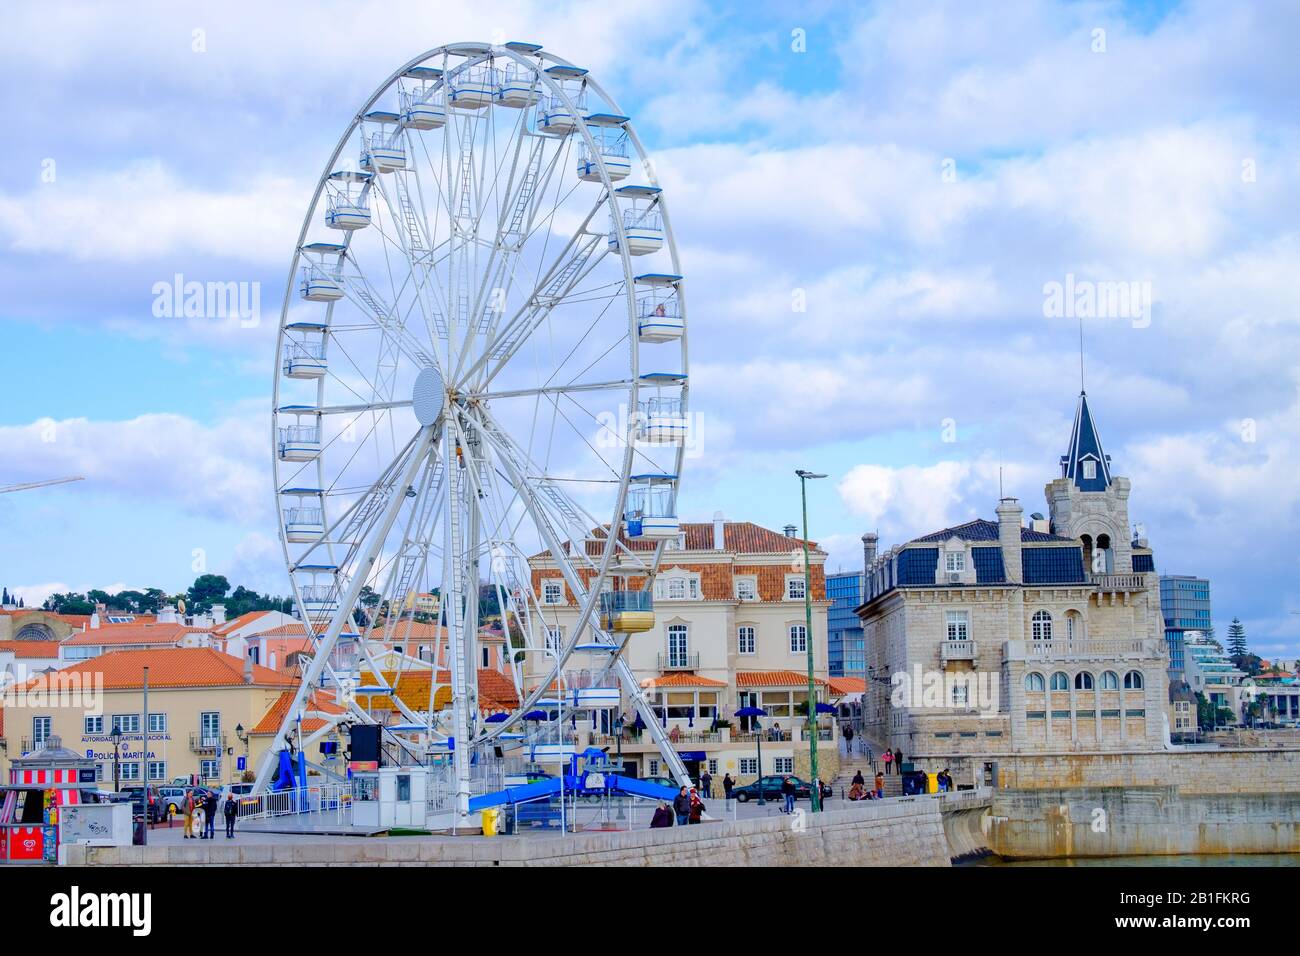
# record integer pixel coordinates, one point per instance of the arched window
(1073, 626)
(1083, 681)
(1042, 622)
(1060, 681)
(678, 646)
(1133, 680)
(1109, 680)
(1034, 682)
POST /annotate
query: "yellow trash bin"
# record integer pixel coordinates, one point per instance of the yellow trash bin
(931, 783)
(490, 821)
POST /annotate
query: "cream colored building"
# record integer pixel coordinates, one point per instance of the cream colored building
(1015, 636)
(201, 702)
(729, 631)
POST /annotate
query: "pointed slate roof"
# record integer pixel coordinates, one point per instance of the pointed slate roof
(1085, 444)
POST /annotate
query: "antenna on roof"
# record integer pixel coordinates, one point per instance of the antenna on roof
(1081, 388)
(1000, 495)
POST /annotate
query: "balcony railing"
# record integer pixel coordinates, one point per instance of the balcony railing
(823, 733)
(1119, 582)
(678, 662)
(957, 651)
(1131, 648)
(207, 743)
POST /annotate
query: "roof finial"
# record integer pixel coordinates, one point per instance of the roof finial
(1081, 388)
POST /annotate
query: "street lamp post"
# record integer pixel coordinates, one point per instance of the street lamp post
(811, 720)
(116, 736)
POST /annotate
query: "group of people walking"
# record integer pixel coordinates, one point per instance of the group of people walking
(203, 810)
(687, 809)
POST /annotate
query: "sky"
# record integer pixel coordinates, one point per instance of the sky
(870, 202)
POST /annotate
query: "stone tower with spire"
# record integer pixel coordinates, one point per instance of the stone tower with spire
(1088, 502)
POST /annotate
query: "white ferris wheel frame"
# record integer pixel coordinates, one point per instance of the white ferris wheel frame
(358, 569)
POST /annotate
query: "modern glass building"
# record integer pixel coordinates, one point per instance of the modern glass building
(845, 648)
(1185, 606)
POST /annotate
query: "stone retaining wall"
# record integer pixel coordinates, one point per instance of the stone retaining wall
(1204, 771)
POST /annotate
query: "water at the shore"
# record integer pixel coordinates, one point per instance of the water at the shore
(1242, 859)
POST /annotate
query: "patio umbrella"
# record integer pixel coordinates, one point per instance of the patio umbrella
(825, 708)
(536, 715)
(496, 718)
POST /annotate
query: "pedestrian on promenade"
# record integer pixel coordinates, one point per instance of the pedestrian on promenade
(727, 785)
(848, 739)
(706, 783)
(880, 785)
(888, 758)
(188, 807)
(859, 779)
(210, 816)
(663, 817)
(682, 807)
(697, 808)
(787, 790)
(231, 810)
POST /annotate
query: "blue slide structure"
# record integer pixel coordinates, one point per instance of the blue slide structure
(551, 787)
(287, 777)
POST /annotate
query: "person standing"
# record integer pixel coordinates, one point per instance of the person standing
(888, 758)
(848, 739)
(787, 790)
(727, 785)
(706, 783)
(188, 807)
(663, 817)
(880, 785)
(682, 807)
(697, 808)
(231, 810)
(210, 816)
(898, 760)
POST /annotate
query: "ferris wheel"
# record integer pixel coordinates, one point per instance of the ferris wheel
(481, 356)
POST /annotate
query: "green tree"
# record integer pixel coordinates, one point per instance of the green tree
(1237, 638)
(70, 603)
(207, 590)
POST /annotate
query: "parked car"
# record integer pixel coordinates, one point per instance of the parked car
(241, 789)
(662, 781)
(173, 798)
(147, 801)
(772, 789)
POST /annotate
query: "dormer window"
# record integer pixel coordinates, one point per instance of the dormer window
(955, 561)
(1089, 469)
(552, 592)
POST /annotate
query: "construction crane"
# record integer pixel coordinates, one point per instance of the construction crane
(40, 484)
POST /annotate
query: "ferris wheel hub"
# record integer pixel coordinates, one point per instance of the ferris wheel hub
(428, 396)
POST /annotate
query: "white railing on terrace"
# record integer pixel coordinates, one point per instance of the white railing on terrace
(1119, 582)
(957, 651)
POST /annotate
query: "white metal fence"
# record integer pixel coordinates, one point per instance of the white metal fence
(315, 799)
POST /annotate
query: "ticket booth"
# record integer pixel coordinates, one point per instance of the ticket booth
(390, 797)
(40, 785)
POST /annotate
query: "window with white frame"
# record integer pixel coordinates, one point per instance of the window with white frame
(954, 561)
(42, 728)
(960, 694)
(678, 645)
(210, 728)
(127, 723)
(746, 639)
(794, 588)
(958, 624)
(157, 723)
(1042, 626)
(129, 770)
(99, 773)
(92, 725)
(554, 638)
(1089, 469)
(783, 765)
(678, 587)
(208, 769)
(798, 639)
(653, 768)
(749, 766)
(157, 769)
(746, 589)
(552, 592)
(713, 767)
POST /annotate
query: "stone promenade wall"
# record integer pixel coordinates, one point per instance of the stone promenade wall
(901, 832)
(1205, 771)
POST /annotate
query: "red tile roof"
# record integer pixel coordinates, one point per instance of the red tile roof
(246, 618)
(680, 679)
(495, 690)
(175, 667)
(118, 634)
(843, 686)
(23, 649)
(318, 701)
(774, 679)
(297, 629)
(738, 537)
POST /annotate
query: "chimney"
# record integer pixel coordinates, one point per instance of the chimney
(94, 620)
(248, 670)
(719, 536)
(1009, 522)
(790, 531)
(218, 614)
(870, 542)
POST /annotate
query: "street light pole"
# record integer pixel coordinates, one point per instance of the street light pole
(815, 789)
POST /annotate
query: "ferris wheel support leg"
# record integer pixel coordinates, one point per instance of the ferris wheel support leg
(346, 603)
